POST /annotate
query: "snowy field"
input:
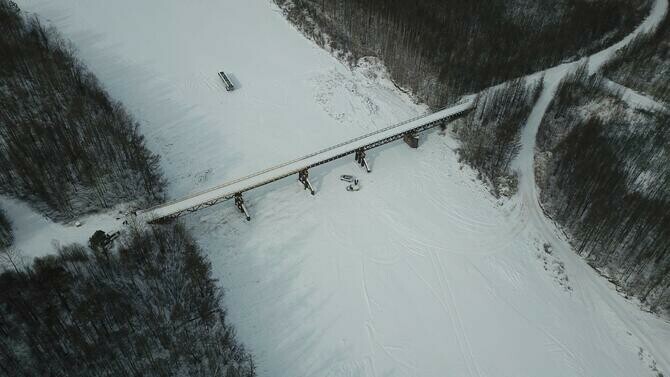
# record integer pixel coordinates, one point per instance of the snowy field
(35, 235)
(421, 273)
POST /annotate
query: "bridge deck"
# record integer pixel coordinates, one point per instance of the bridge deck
(227, 190)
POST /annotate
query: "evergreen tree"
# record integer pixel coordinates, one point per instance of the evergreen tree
(606, 180)
(149, 307)
(65, 146)
(6, 235)
(442, 49)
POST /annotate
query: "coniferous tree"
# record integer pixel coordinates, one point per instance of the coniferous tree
(644, 64)
(490, 135)
(148, 307)
(442, 49)
(65, 146)
(606, 180)
(6, 235)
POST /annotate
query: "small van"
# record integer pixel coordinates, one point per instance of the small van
(226, 81)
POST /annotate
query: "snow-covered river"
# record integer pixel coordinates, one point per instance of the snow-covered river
(421, 273)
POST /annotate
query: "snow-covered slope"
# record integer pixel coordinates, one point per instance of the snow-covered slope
(161, 59)
(35, 235)
(596, 291)
(633, 98)
(421, 273)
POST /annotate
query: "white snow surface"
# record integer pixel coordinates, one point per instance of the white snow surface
(35, 235)
(633, 98)
(421, 273)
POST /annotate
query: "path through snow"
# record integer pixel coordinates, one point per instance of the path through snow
(634, 99)
(35, 234)
(595, 289)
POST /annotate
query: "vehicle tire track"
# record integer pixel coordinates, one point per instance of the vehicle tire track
(528, 191)
(550, 336)
(440, 299)
(452, 312)
(442, 272)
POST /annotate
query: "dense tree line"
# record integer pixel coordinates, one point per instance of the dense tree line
(65, 146)
(605, 177)
(644, 64)
(148, 307)
(145, 307)
(490, 135)
(444, 48)
(6, 235)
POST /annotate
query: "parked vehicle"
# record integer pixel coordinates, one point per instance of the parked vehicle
(226, 81)
(354, 186)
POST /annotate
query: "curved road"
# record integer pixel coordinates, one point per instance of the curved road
(597, 289)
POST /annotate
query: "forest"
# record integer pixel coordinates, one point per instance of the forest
(490, 135)
(143, 305)
(604, 175)
(6, 234)
(65, 146)
(443, 49)
(645, 63)
(148, 307)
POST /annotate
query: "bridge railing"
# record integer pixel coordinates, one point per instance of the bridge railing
(302, 158)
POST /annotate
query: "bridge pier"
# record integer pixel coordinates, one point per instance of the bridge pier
(411, 139)
(360, 159)
(443, 125)
(239, 202)
(303, 177)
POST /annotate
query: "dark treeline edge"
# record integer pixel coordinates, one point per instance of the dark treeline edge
(148, 308)
(604, 176)
(442, 49)
(65, 146)
(490, 135)
(644, 64)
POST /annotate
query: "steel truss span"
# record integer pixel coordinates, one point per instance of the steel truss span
(357, 146)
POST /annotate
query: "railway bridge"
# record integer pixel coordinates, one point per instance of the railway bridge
(406, 130)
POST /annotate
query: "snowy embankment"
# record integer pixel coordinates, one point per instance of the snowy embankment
(633, 98)
(624, 314)
(420, 273)
(35, 235)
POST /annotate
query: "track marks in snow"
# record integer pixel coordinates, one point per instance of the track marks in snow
(374, 341)
(340, 284)
(339, 96)
(460, 329)
(528, 191)
(472, 230)
(444, 297)
(554, 340)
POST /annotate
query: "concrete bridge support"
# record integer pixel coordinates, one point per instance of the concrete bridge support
(303, 177)
(360, 159)
(411, 139)
(239, 202)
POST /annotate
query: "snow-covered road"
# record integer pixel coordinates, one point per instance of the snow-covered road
(421, 273)
(596, 290)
